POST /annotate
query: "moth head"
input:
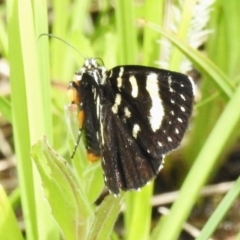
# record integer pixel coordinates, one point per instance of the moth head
(90, 63)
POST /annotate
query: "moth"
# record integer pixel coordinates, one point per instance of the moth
(132, 116)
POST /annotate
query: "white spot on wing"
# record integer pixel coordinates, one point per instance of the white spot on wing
(118, 100)
(148, 183)
(170, 84)
(170, 80)
(169, 139)
(110, 75)
(182, 96)
(102, 138)
(119, 79)
(160, 168)
(127, 112)
(156, 111)
(97, 105)
(121, 71)
(135, 131)
(95, 76)
(180, 120)
(182, 109)
(193, 85)
(119, 82)
(134, 85)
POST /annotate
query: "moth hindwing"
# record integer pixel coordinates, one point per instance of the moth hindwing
(133, 116)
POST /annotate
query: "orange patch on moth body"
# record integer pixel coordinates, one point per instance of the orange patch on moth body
(92, 158)
(80, 118)
(73, 95)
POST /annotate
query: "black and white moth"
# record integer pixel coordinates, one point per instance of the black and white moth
(133, 116)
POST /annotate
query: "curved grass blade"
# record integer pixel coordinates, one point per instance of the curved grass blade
(220, 212)
(202, 63)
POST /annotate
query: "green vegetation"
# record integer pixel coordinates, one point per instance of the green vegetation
(58, 196)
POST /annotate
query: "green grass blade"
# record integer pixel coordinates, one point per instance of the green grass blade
(41, 26)
(3, 34)
(29, 118)
(232, 9)
(15, 198)
(78, 20)
(106, 216)
(5, 108)
(139, 211)
(59, 29)
(127, 43)
(153, 11)
(8, 222)
(224, 19)
(19, 108)
(220, 212)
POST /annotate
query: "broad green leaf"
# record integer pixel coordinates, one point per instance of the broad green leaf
(68, 202)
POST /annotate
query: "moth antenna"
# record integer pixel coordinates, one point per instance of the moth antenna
(53, 36)
(77, 143)
(97, 58)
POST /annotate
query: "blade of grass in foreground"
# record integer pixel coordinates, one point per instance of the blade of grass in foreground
(126, 32)
(152, 11)
(220, 212)
(8, 221)
(28, 116)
